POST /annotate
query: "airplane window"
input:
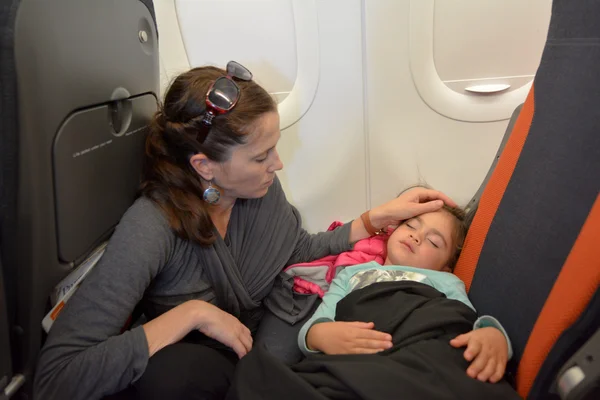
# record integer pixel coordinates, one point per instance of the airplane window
(270, 49)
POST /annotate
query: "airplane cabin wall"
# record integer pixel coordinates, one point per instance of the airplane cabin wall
(365, 112)
(491, 42)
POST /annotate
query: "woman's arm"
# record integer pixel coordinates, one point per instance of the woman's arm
(173, 325)
(85, 356)
(413, 202)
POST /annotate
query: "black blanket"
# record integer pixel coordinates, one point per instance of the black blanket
(420, 365)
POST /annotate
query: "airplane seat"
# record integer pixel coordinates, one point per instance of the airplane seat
(532, 256)
(79, 82)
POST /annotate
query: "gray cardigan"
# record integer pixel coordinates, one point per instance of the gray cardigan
(86, 356)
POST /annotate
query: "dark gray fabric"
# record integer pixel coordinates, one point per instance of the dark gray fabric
(187, 371)
(471, 208)
(571, 341)
(145, 261)
(420, 365)
(9, 143)
(280, 338)
(288, 305)
(555, 182)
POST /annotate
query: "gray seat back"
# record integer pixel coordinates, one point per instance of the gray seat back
(79, 81)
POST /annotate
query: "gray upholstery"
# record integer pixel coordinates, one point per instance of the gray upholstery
(78, 87)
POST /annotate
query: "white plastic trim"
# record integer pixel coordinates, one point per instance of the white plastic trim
(298, 102)
(173, 57)
(445, 101)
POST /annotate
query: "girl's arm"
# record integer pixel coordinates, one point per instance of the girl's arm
(322, 334)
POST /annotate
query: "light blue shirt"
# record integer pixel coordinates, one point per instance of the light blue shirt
(358, 276)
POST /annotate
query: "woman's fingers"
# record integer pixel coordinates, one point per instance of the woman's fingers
(426, 195)
(238, 347)
(246, 339)
(430, 206)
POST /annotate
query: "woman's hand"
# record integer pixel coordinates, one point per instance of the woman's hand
(224, 327)
(347, 338)
(173, 325)
(409, 204)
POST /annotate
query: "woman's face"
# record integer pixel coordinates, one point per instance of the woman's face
(252, 166)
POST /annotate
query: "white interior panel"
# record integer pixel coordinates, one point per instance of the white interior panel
(259, 32)
(367, 112)
(453, 101)
(277, 37)
(300, 99)
(324, 153)
(408, 141)
(314, 50)
(483, 39)
(173, 58)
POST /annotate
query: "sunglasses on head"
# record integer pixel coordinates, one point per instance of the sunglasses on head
(222, 96)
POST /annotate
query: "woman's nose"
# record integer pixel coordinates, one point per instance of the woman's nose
(277, 165)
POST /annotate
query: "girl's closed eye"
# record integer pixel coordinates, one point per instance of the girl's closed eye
(434, 243)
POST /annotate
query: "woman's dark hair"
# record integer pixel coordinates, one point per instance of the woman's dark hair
(168, 178)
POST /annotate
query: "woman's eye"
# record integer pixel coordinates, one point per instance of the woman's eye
(410, 226)
(261, 160)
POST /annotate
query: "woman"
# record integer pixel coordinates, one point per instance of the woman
(198, 251)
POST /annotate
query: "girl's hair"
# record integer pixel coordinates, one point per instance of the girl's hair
(168, 178)
(458, 235)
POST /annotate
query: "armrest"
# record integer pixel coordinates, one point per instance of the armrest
(579, 378)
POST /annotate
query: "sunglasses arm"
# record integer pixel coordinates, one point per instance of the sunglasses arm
(208, 117)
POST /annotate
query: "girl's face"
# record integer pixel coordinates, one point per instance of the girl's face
(424, 241)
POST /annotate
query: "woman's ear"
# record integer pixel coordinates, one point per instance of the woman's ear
(203, 166)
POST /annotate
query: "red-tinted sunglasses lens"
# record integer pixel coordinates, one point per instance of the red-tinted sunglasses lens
(238, 71)
(223, 95)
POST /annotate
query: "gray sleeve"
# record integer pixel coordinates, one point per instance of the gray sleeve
(313, 246)
(86, 356)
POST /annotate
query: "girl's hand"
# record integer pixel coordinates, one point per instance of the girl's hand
(347, 338)
(487, 349)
